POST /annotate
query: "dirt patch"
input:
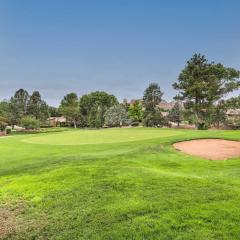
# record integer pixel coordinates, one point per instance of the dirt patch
(13, 222)
(212, 149)
(9, 219)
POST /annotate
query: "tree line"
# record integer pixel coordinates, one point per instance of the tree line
(201, 85)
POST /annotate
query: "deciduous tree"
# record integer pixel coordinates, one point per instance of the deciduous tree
(116, 116)
(69, 107)
(94, 106)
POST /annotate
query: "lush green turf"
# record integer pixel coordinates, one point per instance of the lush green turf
(117, 184)
(100, 136)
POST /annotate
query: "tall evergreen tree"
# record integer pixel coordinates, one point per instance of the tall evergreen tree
(36, 107)
(152, 97)
(175, 114)
(202, 83)
(4, 109)
(18, 106)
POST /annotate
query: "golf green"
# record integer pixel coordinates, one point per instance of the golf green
(79, 137)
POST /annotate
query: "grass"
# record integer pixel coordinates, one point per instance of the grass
(116, 184)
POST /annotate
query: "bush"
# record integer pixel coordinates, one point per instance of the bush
(154, 119)
(3, 124)
(202, 126)
(30, 122)
(8, 131)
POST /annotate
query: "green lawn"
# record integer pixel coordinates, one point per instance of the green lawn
(116, 184)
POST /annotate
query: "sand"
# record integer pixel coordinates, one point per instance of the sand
(212, 149)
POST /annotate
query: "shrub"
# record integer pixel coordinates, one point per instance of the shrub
(153, 119)
(8, 131)
(202, 126)
(3, 124)
(30, 122)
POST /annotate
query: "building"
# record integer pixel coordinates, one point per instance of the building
(233, 118)
(57, 121)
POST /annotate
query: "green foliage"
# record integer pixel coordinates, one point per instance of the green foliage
(4, 109)
(54, 112)
(36, 107)
(69, 107)
(93, 107)
(135, 111)
(126, 104)
(29, 122)
(154, 119)
(18, 106)
(95, 117)
(8, 131)
(152, 97)
(233, 103)
(175, 114)
(3, 123)
(202, 83)
(218, 115)
(116, 116)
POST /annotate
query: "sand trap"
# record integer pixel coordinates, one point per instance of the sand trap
(212, 149)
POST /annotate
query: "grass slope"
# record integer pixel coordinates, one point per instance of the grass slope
(116, 184)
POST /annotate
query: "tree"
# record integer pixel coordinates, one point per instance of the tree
(30, 122)
(154, 119)
(135, 111)
(18, 106)
(4, 109)
(54, 112)
(3, 123)
(218, 115)
(116, 116)
(36, 107)
(94, 117)
(93, 107)
(232, 103)
(201, 84)
(69, 107)
(152, 97)
(175, 114)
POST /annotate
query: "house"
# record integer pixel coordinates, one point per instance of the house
(166, 106)
(233, 118)
(57, 121)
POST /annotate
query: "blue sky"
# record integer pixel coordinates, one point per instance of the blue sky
(119, 46)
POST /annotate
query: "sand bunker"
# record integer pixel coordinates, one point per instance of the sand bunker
(213, 149)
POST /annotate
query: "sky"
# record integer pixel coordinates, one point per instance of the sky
(117, 46)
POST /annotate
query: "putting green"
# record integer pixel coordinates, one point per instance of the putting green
(79, 137)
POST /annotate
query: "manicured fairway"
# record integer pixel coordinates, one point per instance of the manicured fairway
(116, 184)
